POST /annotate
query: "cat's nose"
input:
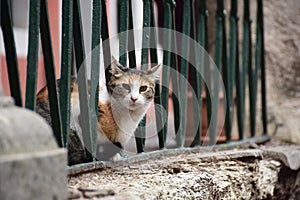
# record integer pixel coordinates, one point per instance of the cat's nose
(133, 99)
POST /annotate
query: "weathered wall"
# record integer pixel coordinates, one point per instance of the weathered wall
(282, 41)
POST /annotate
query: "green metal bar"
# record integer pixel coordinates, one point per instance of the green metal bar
(196, 79)
(185, 49)
(162, 135)
(124, 24)
(33, 54)
(140, 135)
(174, 73)
(240, 82)
(202, 26)
(131, 46)
(85, 121)
(105, 43)
(95, 70)
(192, 60)
(50, 72)
(146, 33)
(141, 131)
(66, 67)
(253, 79)
(233, 62)
(200, 63)
(10, 49)
(203, 41)
(227, 78)
(242, 70)
(153, 36)
(218, 60)
(260, 62)
(154, 61)
(228, 71)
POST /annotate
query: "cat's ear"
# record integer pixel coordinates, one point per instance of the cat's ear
(154, 72)
(117, 70)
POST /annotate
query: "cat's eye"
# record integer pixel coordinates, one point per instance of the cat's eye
(126, 86)
(143, 88)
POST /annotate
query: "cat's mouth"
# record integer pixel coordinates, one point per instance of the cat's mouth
(133, 106)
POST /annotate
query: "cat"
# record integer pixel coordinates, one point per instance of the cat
(122, 104)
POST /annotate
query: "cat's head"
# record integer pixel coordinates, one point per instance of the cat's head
(132, 88)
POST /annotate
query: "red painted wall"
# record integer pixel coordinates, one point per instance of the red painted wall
(53, 8)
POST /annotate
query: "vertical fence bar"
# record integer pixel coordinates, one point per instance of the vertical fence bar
(33, 54)
(153, 36)
(253, 79)
(105, 43)
(174, 72)
(233, 61)
(203, 41)
(154, 61)
(124, 24)
(66, 66)
(166, 71)
(228, 83)
(11, 54)
(202, 24)
(196, 79)
(192, 58)
(242, 70)
(85, 120)
(95, 69)
(260, 61)
(50, 72)
(200, 60)
(140, 133)
(218, 60)
(131, 46)
(253, 73)
(227, 78)
(185, 47)
(146, 33)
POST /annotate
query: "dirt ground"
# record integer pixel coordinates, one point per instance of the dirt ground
(232, 174)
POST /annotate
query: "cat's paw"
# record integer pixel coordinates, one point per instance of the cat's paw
(116, 157)
(119, 156)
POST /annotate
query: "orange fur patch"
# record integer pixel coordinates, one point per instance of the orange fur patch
(107, 124)
(42, 96)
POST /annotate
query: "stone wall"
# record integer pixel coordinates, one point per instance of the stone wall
(282, 41)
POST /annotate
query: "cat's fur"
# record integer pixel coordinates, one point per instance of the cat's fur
(122, 105)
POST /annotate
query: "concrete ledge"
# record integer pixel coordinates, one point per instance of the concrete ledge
(288, 155)
(34, 175)
(31, 164)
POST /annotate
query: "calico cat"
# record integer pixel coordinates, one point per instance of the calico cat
(122, 104)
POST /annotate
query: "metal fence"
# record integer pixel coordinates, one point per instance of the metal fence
(236, 68)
